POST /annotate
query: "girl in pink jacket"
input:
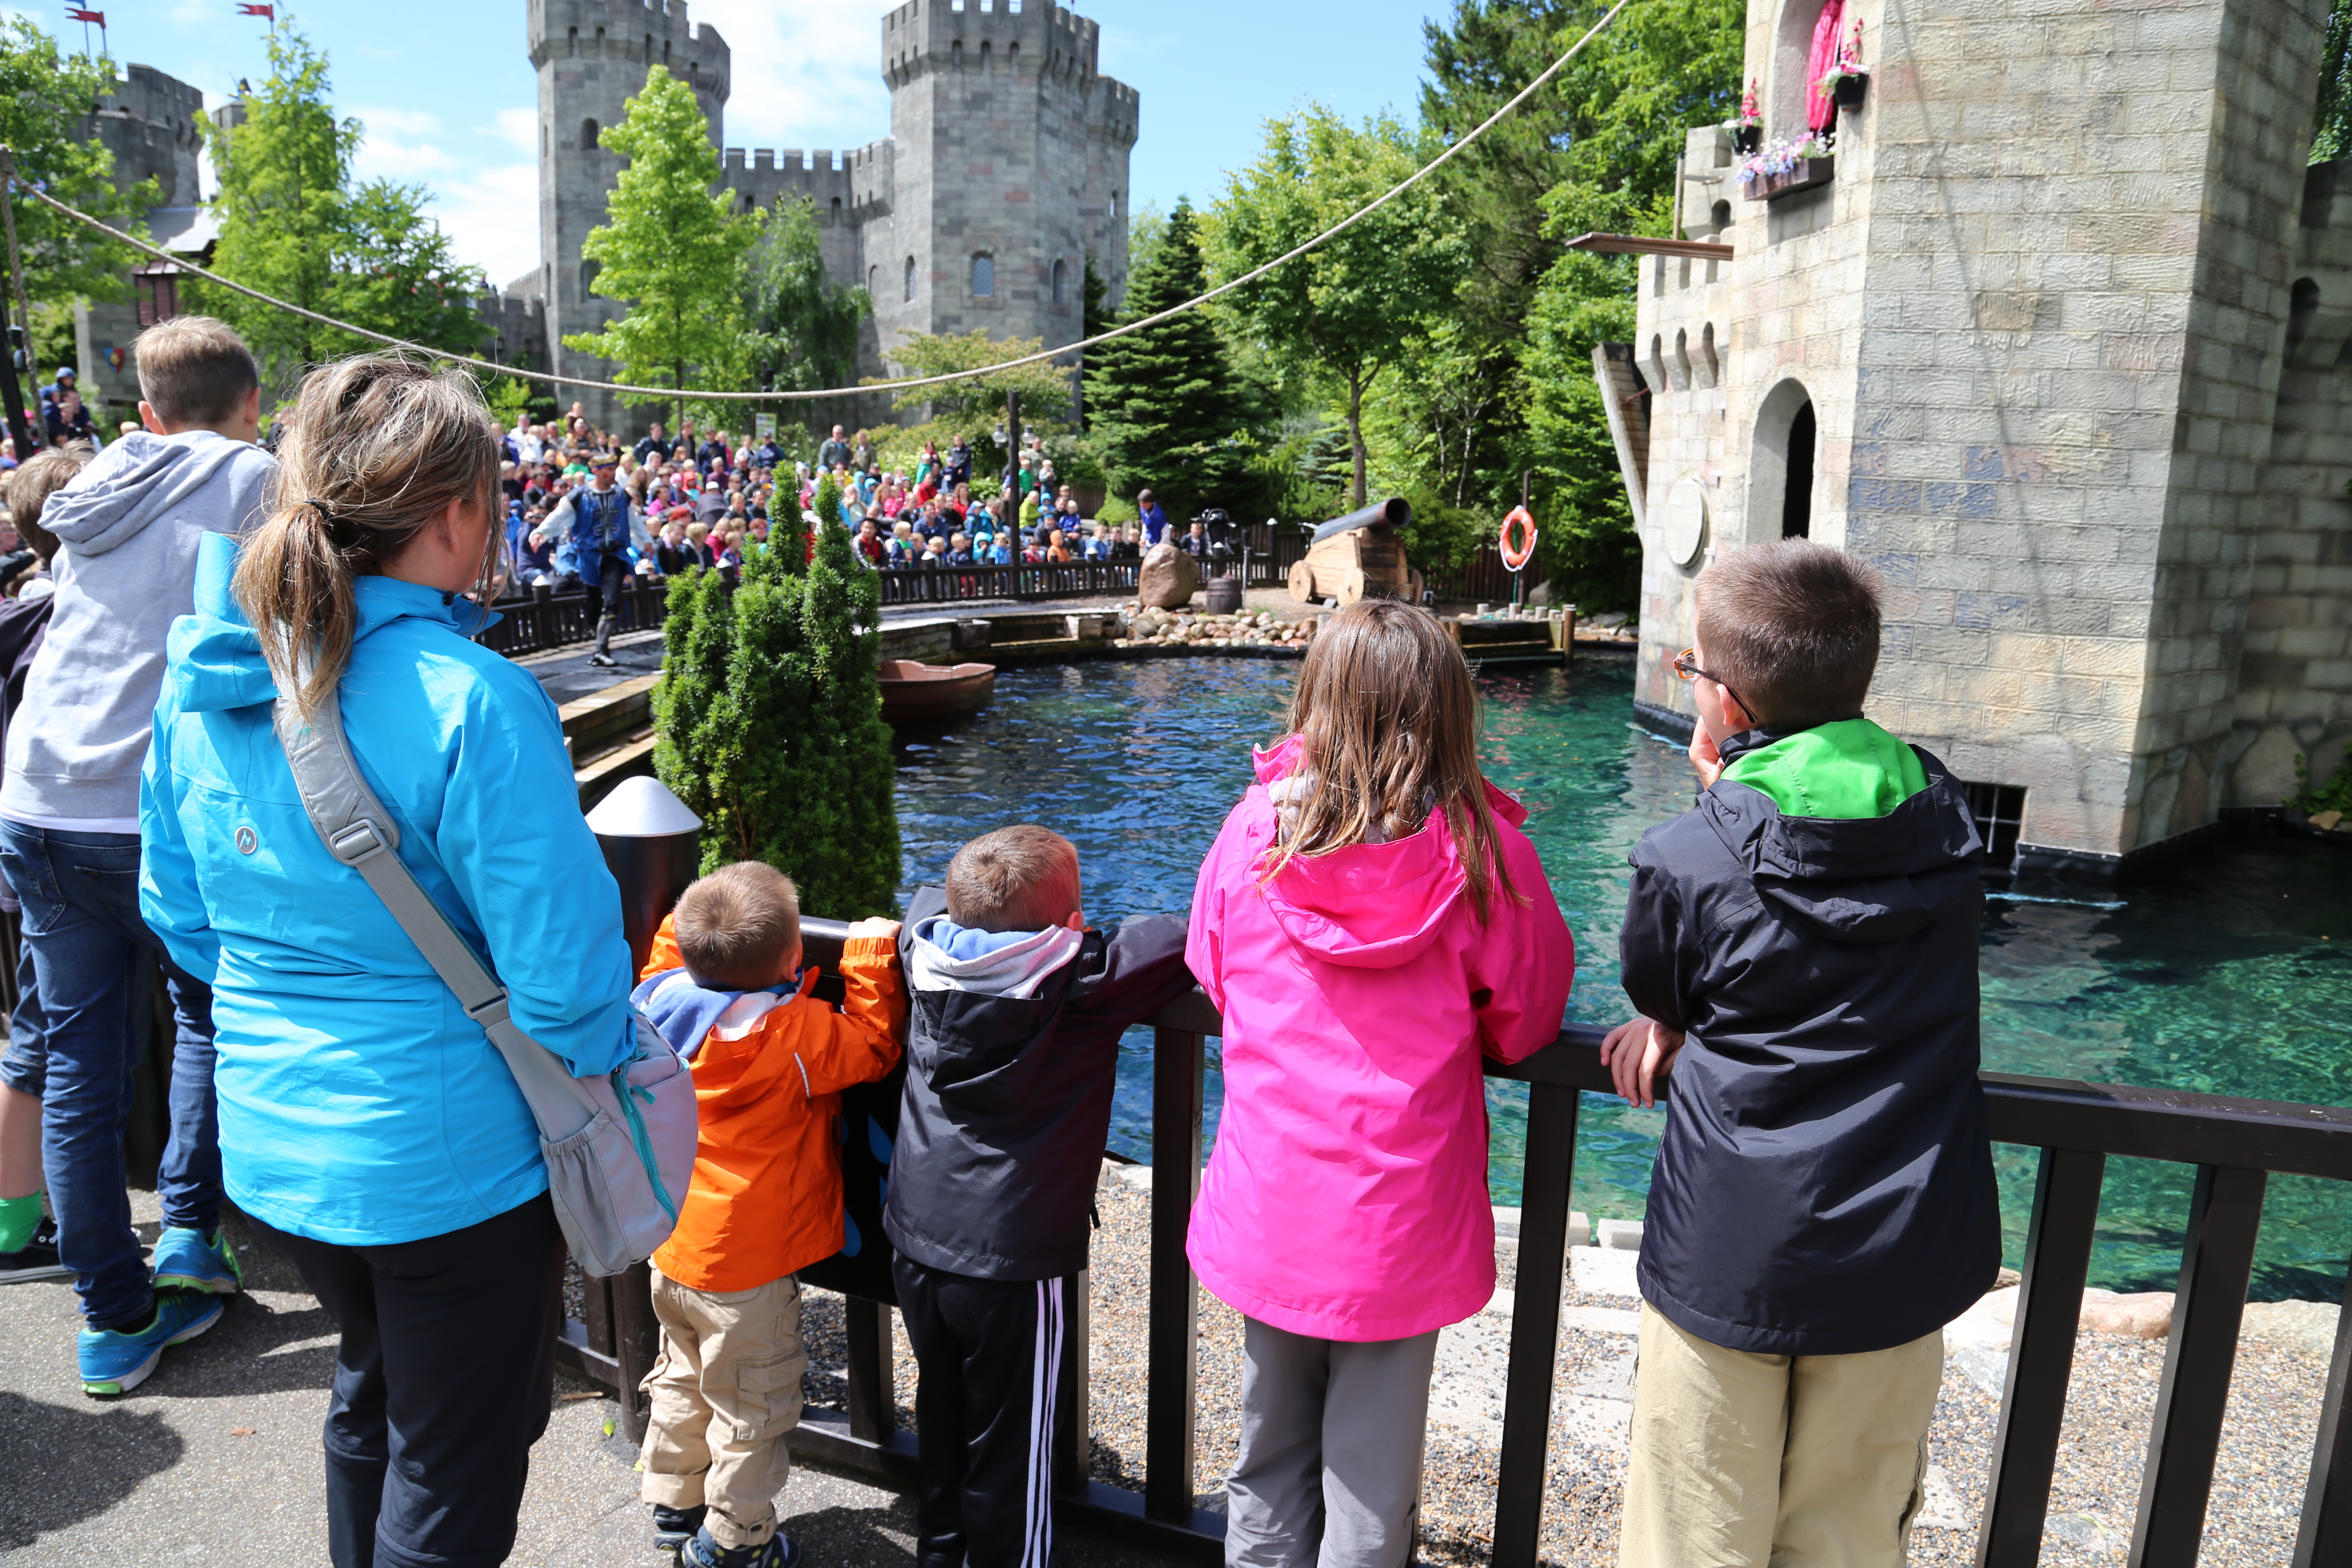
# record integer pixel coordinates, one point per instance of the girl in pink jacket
(1369, 920)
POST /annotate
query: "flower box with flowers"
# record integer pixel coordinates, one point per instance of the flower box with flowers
(1787, 166)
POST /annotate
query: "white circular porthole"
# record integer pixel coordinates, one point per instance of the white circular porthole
(1686, 521)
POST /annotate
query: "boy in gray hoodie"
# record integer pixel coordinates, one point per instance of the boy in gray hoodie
(129, 525)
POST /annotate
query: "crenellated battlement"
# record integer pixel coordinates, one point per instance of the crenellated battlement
(641, 32)
(1032, 37)
(847, 186)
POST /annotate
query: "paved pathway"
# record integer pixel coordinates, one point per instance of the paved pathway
(216, 1457)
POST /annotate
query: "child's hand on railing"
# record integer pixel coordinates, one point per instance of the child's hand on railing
(874, 926)
(1636, 1054)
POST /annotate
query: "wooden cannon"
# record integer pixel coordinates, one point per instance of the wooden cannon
(1357, 554)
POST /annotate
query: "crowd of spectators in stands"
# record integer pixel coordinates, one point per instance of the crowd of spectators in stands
(706, 498)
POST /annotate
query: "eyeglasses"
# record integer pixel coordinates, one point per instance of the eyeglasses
(1686, 666)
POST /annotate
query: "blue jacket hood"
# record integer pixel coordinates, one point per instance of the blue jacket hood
(216, 662)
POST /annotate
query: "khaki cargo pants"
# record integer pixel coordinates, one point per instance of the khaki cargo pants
(722, 1395)
(1742, 1460)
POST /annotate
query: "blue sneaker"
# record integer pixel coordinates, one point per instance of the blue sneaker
(702, 1552)
(115, 1362)
(184, 1260)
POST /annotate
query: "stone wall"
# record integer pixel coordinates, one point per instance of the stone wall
(2038, 312)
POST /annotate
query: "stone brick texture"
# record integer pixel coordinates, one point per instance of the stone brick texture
(2067, 401)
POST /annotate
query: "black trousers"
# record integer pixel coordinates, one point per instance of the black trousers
(441, 1383)
(994, 1392)
(604, 580)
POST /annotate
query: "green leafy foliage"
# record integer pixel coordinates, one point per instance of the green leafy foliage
(1164, 407)
(676, 254)
(805, 323)
(1045, 389)
(2333, 132)
(2336, 794)
(769, 716)
(45, 102)
(293, 225)
(1350, 308)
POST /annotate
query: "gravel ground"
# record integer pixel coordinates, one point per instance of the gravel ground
(2257, 1490)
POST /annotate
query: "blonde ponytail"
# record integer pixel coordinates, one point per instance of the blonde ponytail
(376, 448)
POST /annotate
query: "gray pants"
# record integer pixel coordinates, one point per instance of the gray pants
(1332, 1432)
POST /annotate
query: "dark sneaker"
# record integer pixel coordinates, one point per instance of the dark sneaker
(117, 1363)
(603, 660)
(36, 1260)
(701, 1552)
(186, 1260)
(674, 1527)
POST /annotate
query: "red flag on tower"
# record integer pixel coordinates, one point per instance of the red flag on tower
(72, 14)
(269, 11)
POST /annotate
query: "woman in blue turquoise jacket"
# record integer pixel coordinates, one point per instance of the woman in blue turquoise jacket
(366, 1123)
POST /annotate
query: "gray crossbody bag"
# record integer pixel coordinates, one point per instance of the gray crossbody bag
(619, 1147)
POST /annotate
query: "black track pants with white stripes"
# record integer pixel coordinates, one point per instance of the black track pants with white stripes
(993, 1391)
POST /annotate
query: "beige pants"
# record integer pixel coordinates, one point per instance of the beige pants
(1742, 1460)
(724, 1392)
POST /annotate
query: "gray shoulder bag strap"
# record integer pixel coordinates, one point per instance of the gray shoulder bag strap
(617, 1146)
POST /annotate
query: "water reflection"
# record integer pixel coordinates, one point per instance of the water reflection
(2227, 975)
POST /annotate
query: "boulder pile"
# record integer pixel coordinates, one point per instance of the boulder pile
(1150, 628)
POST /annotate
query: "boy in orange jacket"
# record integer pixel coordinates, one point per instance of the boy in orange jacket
(769, 1064)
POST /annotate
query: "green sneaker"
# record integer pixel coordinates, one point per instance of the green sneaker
(117, 1363)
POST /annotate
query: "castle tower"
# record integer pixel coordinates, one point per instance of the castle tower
(2053, 343)
(591, 56)
(1011, 169)
(150, 123)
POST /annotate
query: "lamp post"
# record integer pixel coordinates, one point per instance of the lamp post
(651, 842)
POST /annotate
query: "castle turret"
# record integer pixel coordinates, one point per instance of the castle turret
(591, 56)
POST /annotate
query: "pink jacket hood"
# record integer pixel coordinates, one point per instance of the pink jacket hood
(1370, 906)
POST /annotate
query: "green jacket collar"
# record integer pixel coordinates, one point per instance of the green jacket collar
(1845, 769)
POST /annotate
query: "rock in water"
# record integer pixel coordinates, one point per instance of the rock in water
(1168, 578)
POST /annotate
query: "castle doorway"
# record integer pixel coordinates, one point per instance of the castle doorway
(1781, 465)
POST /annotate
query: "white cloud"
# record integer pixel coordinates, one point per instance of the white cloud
(483, 195)
(806, 73)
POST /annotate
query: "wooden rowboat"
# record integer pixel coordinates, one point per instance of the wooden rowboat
(913, 691)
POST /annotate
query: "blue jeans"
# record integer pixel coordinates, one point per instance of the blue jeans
(91, 955)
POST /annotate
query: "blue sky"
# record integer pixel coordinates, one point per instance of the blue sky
(448, 98)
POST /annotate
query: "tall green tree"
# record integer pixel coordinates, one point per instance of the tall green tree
(1350, 307)
(1164, 406)
(45, 104)
(293, 225)
(769, 716)
(676, 254)
(2333, 132)
(806, 323)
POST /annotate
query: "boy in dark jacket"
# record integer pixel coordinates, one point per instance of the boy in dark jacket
(1802, 948)
(1016, 1007)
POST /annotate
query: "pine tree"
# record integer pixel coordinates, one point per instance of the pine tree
(771, 719)
(1163, 405)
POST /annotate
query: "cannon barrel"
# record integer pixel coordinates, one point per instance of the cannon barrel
(1395, 512)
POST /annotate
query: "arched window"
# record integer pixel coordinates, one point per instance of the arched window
(572, 42)
(588, 271)
(836, 209)
(872, 281)
(589, 135)
(1780, 466)
(909, 295)
(983, 275)
(1792, 50)
(1114, 204)
(1061, 272)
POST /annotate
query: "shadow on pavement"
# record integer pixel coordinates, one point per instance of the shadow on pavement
(60, 1465)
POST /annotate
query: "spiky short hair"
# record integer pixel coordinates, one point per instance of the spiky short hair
(737, 926)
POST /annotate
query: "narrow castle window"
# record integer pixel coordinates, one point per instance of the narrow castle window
(1061, 271)
(588, 135)
(836, 209)
(588, 271)
(572, 43)
(983, 275)
(910, 281)
(872, 281)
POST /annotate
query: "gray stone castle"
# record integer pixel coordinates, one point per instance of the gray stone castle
(1006, 169)
(2058, 341)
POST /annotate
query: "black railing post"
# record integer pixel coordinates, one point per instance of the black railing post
(2225, 1216)
(637, 1340)
(1174, 1359)
(1076, 1440)
(2325, 1536)
(873, 1397)
(2041, 1356)
(1535, 1322)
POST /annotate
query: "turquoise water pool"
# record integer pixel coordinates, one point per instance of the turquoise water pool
(2227, 975)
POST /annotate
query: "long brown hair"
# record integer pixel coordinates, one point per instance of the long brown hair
(1387, 721)
(376, 450)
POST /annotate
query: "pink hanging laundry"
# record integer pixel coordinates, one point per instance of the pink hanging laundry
(1821, 107)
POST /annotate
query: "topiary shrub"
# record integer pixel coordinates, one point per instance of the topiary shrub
(769, 718)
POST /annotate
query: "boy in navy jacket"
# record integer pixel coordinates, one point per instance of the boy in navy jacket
(1802, 947)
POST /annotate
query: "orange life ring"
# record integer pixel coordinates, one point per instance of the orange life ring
(1517, 556)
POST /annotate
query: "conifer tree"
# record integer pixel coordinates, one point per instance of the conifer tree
(1163, 405)
(771, 719)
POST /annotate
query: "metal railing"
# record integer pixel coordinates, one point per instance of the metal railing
(945, 584)
(2233, 1143)
(534, 623)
